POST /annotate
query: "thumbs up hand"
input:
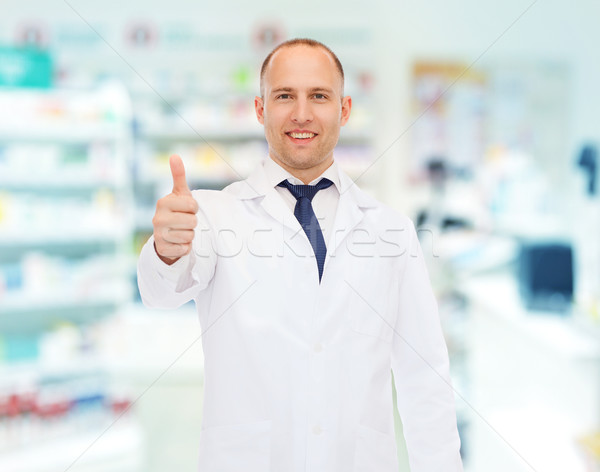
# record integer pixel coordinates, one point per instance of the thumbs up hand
(175, 217)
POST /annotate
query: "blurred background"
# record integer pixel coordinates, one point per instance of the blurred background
(477, 119)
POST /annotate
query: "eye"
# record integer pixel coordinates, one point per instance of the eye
(320, 96)
(283, 96)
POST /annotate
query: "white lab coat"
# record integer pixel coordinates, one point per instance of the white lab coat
(297, 373)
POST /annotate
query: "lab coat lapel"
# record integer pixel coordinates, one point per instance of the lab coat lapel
(350, 212)
(257, 187)
(275, 207)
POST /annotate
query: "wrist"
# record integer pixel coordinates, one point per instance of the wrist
(166, 260)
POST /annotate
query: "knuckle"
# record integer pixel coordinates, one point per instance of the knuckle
(165, 236)
(159, 220)
(192, 205)
(161, 203)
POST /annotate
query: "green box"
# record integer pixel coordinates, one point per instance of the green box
(25, 67)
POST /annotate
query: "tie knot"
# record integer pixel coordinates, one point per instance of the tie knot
(308, 191)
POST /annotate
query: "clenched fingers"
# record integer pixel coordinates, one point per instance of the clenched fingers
(171, 250)
(178, 236)
(174, 220)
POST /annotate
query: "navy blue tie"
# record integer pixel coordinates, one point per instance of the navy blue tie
(307, 218)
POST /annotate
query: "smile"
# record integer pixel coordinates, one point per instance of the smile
(306, 135)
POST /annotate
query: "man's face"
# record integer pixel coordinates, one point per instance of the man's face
(302, 108)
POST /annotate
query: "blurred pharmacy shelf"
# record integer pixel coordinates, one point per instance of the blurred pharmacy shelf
(65, 411)
(66, 221)
(15, 240)
(65, 201)
(71, 133)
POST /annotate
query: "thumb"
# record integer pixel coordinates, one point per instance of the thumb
(180, 186)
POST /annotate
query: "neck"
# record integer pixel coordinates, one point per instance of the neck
(306, 175)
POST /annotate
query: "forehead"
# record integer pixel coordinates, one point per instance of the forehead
(302, 67)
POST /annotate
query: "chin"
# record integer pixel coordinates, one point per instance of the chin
(302, 163)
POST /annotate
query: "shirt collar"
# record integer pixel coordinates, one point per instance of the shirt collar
(275, 174)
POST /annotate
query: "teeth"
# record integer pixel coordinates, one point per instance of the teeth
(301, 135)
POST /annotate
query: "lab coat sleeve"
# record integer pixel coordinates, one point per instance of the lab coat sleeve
(425, 397)
(170, 286)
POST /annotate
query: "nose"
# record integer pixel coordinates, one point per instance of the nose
(302, 112)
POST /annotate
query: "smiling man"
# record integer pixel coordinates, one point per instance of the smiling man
(310, 294)
(302, 107)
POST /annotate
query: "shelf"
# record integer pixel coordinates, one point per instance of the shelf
(32, 237)
(63, 133)
(43, 183)
(176, 133)
(65, 241)
(76, 367)
(20, 302)
(194, 178)
(39, 320)
(120, 446)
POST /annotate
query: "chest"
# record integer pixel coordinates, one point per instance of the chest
(270, 267)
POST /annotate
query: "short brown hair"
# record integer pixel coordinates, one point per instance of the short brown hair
(299, 42)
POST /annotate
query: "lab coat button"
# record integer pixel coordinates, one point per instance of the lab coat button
(318, 347)
(317, 430)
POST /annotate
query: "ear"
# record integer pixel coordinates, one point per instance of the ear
(346, 107)
(259, 109)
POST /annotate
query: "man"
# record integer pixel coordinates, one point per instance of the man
(308, 298)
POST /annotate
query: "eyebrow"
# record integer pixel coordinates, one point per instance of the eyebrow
(312, 90)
